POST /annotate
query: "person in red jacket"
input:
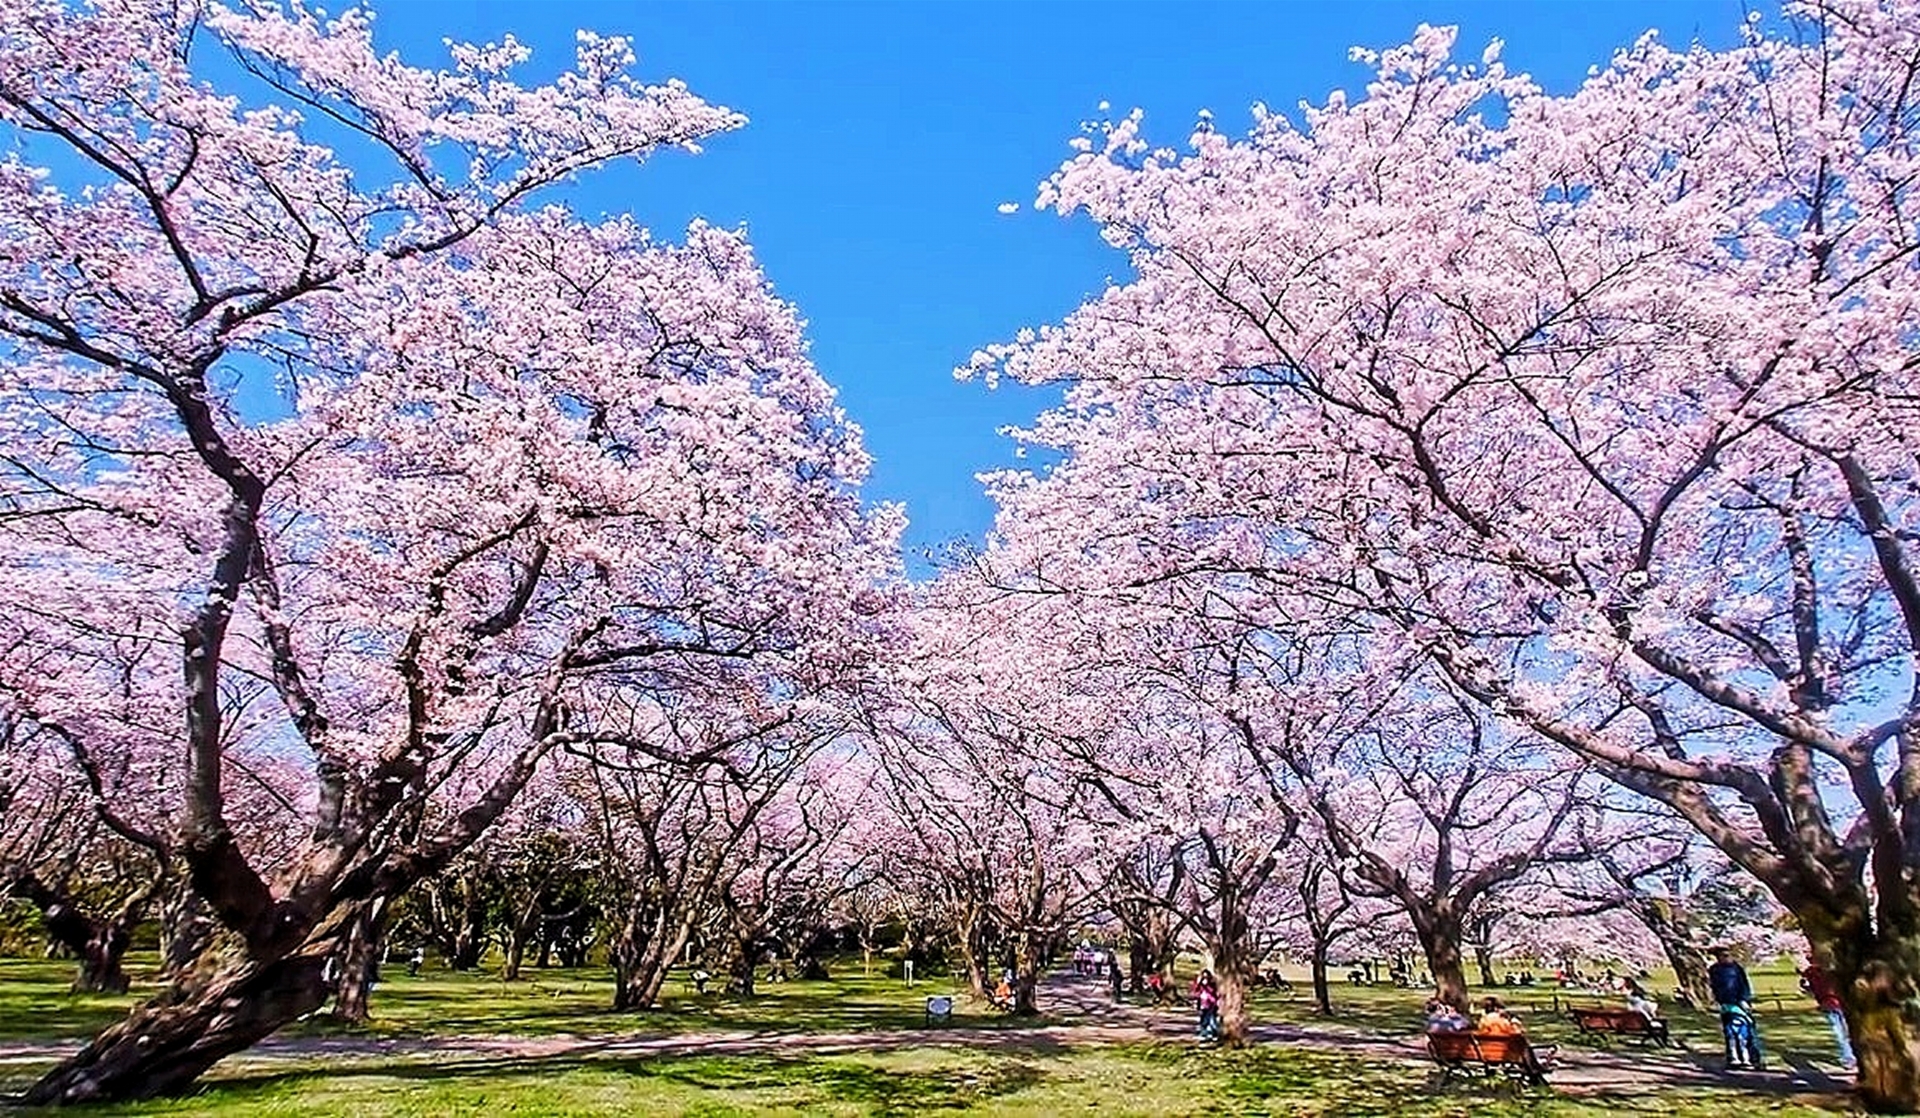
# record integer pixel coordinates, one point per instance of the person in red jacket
(1817, 982)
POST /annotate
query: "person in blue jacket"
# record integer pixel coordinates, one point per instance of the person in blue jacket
(1734, 995)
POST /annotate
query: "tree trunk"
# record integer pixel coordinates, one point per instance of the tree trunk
(746, 959)
(1675, 935)
(469, 944)
(358, 963)
(1139, 963)
(163, 1046)
(1322, 992)
(626, 953)
(186, 928)
(641, 957)
(1874, 974)
(974, 956)
(1231, 977)
(99, 943)
(1440, 940)
(1483, 961)
(1026, 977)
(1689, 972)
(516, 954)
(100, 958)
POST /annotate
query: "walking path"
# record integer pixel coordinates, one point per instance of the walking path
(1083, 1007)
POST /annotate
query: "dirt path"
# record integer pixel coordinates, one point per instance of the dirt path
(1082, 1009)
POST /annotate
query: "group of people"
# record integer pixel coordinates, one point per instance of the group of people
(1495, 1019)
(1733, 993)
(1727, 980)
(1091, 961)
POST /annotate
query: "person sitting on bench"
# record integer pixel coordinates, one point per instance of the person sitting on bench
(1641, 1002)
(1497, 1020)
(1443, 1018)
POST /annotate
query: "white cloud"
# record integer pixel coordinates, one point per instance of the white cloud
(1009, 207)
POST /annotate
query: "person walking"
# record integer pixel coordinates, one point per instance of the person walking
(1734, 995)
(1815, 980)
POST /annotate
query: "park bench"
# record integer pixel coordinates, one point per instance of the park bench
(939, 1010)
(1604, 1023)
(1490, 1054)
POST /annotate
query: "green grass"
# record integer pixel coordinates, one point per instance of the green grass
(1110, 1080)
(35, 1004)
(980, 1070)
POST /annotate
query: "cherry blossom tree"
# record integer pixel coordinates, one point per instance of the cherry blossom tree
(62, 852)
(427, 478)
(983, 742)
(1323, 908)
(1143, 895)
(1604, 400)
(1232, 860)
(679, 801)
(1437, 818)
(801, 858)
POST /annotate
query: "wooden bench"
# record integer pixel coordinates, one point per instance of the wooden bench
(1490, 1054)
(1604, 1023)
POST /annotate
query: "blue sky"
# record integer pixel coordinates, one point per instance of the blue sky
(884, 136)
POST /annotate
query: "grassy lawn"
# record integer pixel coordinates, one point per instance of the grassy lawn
(1129, 1080)
(35, 1004)
(978, 1071)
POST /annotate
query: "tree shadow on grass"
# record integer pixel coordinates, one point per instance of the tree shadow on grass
(884, 1090)
(957, 1080)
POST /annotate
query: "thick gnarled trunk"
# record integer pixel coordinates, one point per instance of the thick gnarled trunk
(1233, 1004)
(168, 1043)
(642, 952)
(1875, 974)
(1674, 931)
(99, 943)
(1230, 947)
(186, 928)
